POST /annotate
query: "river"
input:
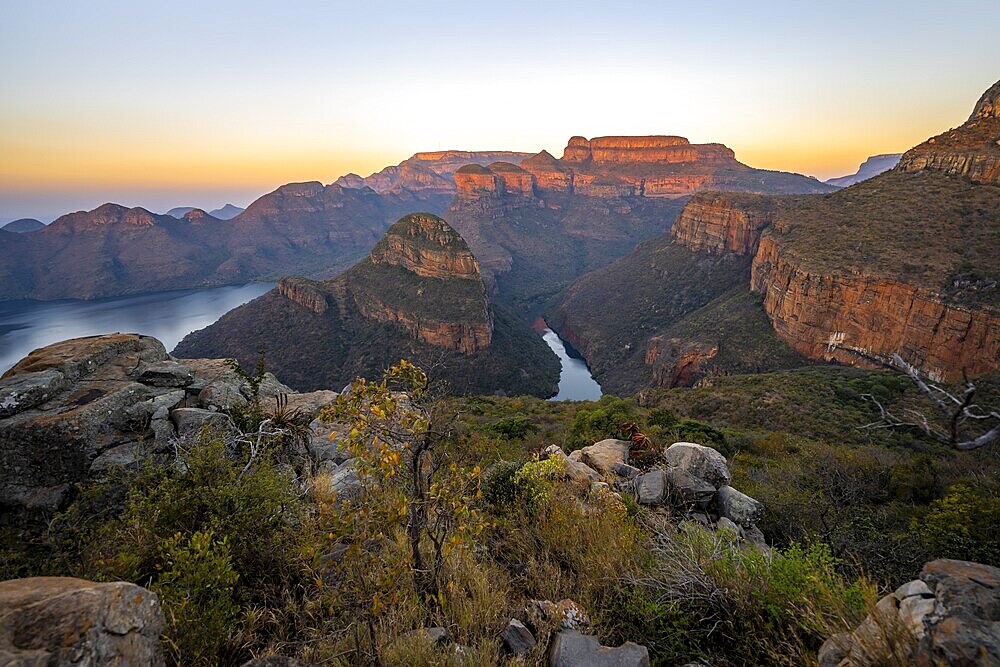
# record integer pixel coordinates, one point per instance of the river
(168, 316)
(575, 381)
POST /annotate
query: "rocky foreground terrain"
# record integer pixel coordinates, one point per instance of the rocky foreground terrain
(81, 410)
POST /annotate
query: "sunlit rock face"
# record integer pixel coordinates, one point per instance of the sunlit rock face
(971, 150)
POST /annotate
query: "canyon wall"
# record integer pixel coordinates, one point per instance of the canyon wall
(722, 223)
(462, 336)
(827, 316)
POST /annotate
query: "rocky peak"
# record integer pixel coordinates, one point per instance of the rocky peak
(197, 215)
(426, 245)
(988, 105)
(971, 150)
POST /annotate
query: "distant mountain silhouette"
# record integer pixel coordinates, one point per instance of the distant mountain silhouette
(873, 166)
(24, 225)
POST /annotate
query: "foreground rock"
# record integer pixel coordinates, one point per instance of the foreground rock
(76, 408)
(949, 616)
(572, 649)
(63, 621)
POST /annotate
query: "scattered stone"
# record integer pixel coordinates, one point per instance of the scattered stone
(566, 613)
(700, 461)
(517, 638)
(576, 471)
(64, 621)
(572, 649)
(738, 507)
(726, 524)
(321, 447)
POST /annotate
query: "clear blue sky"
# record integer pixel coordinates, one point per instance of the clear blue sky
(199, 103)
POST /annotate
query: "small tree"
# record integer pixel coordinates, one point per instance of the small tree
(391, 440)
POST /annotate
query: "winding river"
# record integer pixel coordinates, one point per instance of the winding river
(575, 381)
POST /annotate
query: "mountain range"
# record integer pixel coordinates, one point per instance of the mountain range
(227, 212)
(23, 226)
(904, 262)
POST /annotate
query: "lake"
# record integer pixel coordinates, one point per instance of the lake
(168, 316)
(575, 381)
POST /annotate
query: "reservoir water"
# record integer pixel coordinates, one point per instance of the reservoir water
(575, 381)
(168, 316)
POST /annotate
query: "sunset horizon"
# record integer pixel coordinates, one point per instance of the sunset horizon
(209, 107)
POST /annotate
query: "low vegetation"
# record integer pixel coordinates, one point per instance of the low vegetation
(459, 523)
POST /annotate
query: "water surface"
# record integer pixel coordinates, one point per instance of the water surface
(575, 381)
(168, 316)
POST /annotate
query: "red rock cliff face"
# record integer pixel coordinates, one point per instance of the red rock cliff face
(464, 337)
(718, 224)
(824, 316)
(971, 150)
(651, 149)
(304, 292)
(427, 247)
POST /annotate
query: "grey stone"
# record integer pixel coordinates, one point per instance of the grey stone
(651, 488)
(835, 649)
(725, 524)
(738, 507)
(191, 422)
(25, 391)
(687, 491)
(274, 661)
(344, 480)
(572, 649)
(624, 470)
(517, 638)
(321, 447)
(164, 374)
(222, 395)
(911, 588)
(66, 621)
(700, 461)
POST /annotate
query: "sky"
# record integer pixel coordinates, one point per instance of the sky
(162, 104)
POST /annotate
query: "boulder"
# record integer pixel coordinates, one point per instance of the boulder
(191, 422)
(572, 649)
(725, 524)
(274, 661)
(344, 480)
(699, 461)
(576, 471)
(738, 507)
(64, 621)
(221, 395)
(684, 490)
(625, 471)
(164, 374)
(321, 447)
(604, 455)
(517, 638)
(311, 402)
(950, 616)
(651, 488)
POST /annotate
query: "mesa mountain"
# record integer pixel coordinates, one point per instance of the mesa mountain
(903, 263)
(418, 295)
(317, 231)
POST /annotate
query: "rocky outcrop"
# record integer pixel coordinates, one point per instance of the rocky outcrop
(427, 246)
(650, 149)
(66, 621)
(949, 616)
(835, 315)
(719, 224)
(427, 173)
(971, 150)
(75, 409)
(464, 337)
(303, 292)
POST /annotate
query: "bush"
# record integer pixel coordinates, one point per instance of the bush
(196, 590)
(512, 428)
(601, 421)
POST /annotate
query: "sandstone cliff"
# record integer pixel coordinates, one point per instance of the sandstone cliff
(971, 150)
(426, 173)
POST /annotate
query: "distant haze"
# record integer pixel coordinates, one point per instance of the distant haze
(197, 104)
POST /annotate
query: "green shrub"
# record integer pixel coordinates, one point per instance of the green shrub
(600, 422)
(512, 428)
(195, 585)
(962, 525)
